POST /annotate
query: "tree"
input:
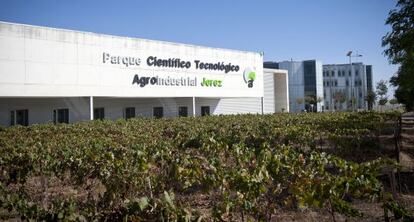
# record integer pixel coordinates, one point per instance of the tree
(371, 98)
(299, 101)
(399, 45)
(339, 98)
(319, 100)
(382, 90)
(311, 101)
(393, 101)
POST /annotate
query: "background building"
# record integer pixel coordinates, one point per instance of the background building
(64, 76)
(346, 86)
(305, 84)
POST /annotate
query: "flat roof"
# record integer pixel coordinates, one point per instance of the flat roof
(126, 37)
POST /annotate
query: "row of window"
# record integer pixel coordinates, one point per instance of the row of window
(324, 94)
(357, 82)
(21, 117)
(341, 73)
(330, 83)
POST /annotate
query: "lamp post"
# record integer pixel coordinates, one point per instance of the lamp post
(349, 54)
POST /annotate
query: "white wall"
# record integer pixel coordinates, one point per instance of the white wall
(44, 62)
(319, 84)
(41, 109)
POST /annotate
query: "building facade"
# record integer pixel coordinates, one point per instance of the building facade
(65, 76)
(346, 86)
(305, 84)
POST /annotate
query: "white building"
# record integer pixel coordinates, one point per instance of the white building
(305, 84)
(56, 75)
(346, 86)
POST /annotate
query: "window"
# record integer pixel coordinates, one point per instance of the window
(333, 73)
(347, 83)
(183, 111)
(158, 112)
(336, 82)
(343, 72)
(350, 73)
(129, 112)
(205, 110)
(99, 113)
(19, 117)
(356, 72)
(61, 116)
(12, 118)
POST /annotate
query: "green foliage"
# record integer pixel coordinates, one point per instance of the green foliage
(398, 211)
(155, 169)
(400, 50)
(371, 98)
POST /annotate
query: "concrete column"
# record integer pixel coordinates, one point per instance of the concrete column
(194, 107)
(262, 105)
(91, 107)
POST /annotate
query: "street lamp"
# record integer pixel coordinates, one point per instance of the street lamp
(349, 54)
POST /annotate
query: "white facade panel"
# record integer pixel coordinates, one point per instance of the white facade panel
(44, 69)
(319, 85)
(88, 64)
(269, 93)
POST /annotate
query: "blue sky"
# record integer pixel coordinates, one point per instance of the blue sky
(285, 29)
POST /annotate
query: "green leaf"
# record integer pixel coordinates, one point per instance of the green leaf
(143, 203)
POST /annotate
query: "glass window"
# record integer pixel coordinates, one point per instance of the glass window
(22, 117)
(183, 111)
(205, 110)
(347, 83)
(129, 112)
(350, 73)
(99, 113)
(12, 118)
(356, 73)
(158, 112)
(336, 82)
(19, 117)
(61, 116)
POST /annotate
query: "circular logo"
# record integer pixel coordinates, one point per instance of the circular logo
(249, 75)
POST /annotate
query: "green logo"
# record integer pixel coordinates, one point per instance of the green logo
(249, 76)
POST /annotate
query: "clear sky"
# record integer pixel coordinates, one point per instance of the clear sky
(284, 29)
